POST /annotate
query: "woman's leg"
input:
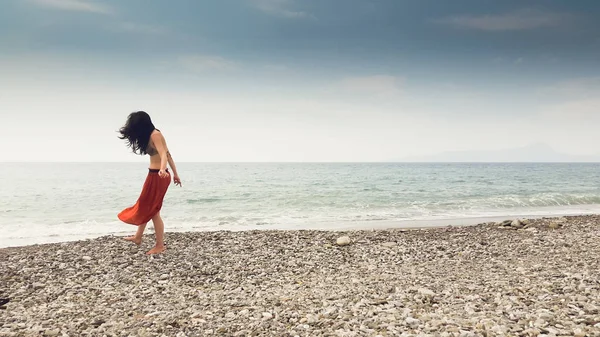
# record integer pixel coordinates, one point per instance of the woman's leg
(159, 231)
(137, 238)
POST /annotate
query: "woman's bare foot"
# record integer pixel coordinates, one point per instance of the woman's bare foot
(134, 239)
(156, 250)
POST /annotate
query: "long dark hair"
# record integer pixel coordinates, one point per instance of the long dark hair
(137, 131)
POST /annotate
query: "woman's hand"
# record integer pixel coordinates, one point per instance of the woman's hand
(177, 180)
(163, 174)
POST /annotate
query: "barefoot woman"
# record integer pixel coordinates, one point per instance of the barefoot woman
(143, 138)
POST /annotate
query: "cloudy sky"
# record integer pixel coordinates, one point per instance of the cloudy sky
(298, 80)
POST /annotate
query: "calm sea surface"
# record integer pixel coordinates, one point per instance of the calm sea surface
(59, 202)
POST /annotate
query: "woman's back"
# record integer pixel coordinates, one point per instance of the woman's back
(151, 150)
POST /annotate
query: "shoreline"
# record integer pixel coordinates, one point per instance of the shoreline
(359, 225)
(534, 277)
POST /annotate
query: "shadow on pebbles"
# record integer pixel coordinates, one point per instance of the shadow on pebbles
(516, 278)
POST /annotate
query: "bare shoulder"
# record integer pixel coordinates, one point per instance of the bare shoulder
(156, 135)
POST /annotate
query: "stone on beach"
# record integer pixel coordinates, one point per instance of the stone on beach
(555, 225)
(426, 292)
(343, 241)
(517, 224)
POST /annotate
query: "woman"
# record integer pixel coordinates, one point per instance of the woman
(143, 138)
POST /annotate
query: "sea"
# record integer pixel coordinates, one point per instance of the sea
(56, 202)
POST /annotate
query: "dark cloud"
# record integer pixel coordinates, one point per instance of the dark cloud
(424, 39)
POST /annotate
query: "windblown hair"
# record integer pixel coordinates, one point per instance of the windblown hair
(137, 131)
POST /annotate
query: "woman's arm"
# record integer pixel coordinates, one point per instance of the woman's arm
(169, 159)
(171, 163)
(176, 178)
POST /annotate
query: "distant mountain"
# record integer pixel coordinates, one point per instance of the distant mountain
(533, 153)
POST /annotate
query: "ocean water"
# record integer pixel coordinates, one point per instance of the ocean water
(59, 202)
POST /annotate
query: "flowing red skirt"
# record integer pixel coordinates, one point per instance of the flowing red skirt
(150, 201)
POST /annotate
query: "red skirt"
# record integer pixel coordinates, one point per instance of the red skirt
(150, 201)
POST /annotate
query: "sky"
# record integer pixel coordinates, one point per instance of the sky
(298, 80)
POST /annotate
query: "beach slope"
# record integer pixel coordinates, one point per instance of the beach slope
(519, 279)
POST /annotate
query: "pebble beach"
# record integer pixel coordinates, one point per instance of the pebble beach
(514, 278)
